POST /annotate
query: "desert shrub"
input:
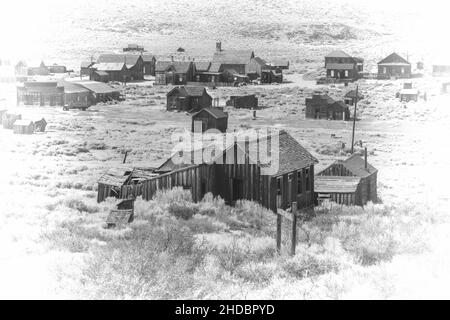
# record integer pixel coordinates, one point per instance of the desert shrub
(182, 210)
(310, 263)
(177, 194)
(205, 224)
(258, 273)
(80, 205)
(232, 255)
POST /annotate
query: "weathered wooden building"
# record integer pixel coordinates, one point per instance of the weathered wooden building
(75, 95)
(341, 66)
(23, 127)
(40, 93)
(233, 175)
(237, 60)
(408, 93)
(118, 67)
(394, 66)
(41, 70)
(249, 101)
(209, 118)
(255, 67)
(99, 92)
(8, 119)
(351, 182)
(188, 98)
(321, 106)
(55, 68)
(149, 64)
(174, 72)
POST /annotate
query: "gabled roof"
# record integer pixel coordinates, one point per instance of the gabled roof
(109, 66)
(72, 87)
(147, 57)
(202, 66)
(394, 59)
(339, 104)
(352, 94)
(355, 164)
(177, 66)
(337, 54)
(193, 91)
(215, 112)
(86, 64)
(260, 61)
(129, 59)
(215, 67)
(321, 96)
(233, 56)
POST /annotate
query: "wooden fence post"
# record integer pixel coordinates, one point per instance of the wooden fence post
(294, 227)
(279, 222)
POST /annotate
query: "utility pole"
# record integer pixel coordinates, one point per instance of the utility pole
(354, 119)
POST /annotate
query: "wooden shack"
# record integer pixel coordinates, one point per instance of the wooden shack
(209, 118)
(408, 93)
(394, 66)
(9, 118)
(23, 127)
(174, 72)
(249, 101)
(351, 182)
(350, 97)
(118, 67)
(75, 95)
(85, 68)
(321, 106)
(234, 175)
(188, 98)
(149, 64)
(342, 66)
(236, 60)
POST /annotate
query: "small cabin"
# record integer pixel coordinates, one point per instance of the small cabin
(210, 118)
(249, 101)
(394, 66)
(188, 98)
(342, 66)
(23, 127)
(349, 182)
(9, 118)
(408, 93)
(322, 106)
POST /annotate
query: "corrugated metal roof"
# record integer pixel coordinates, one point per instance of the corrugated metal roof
(334, 184)
(355, 164)
(194, 91)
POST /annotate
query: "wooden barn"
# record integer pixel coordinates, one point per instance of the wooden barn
(188, 98)
(351, 182)
(118, 67)
(174, 72)
(42, 93)
(321, 106)
(209, 118)
(394, 66)
(23, 127)
(237, 60)
(233, 175)
(408, 93)
(149, 64)
(9, 118)
(341, 66)
(249, 101)
(350, 97)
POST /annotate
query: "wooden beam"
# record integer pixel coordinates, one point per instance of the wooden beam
(294, 227)
(279, 222)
